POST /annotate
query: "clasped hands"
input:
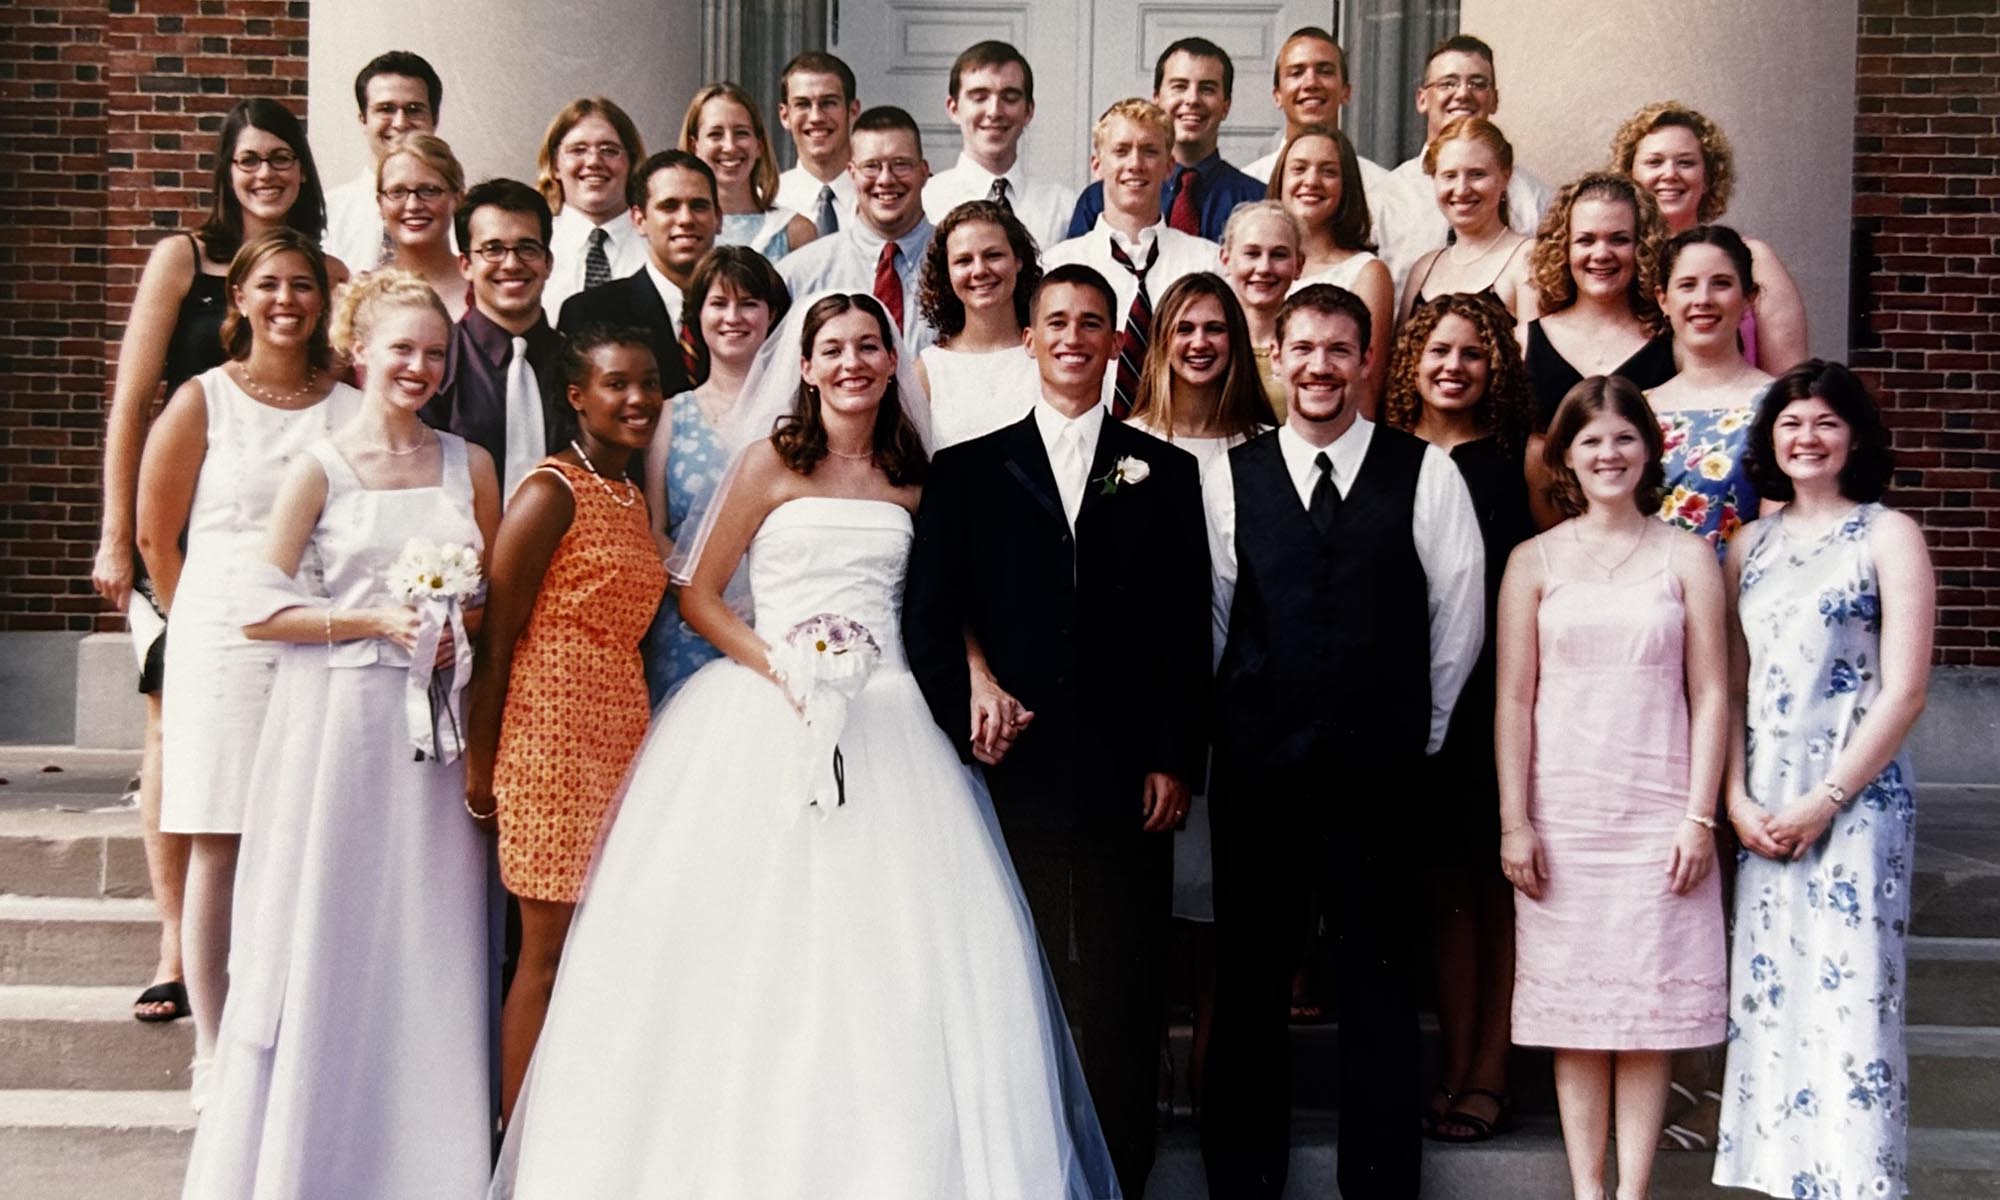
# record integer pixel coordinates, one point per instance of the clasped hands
(1787, 833)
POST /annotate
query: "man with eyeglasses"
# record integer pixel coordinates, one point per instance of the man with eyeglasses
(817, 106)
(398, 93)
(1459, 81)
(881, 251)
(504, 384)
(991, 98)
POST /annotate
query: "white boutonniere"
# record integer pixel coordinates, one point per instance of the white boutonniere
(1126, 470)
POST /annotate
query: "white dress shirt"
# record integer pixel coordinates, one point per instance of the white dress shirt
(1180, 254)
(1071, 466)
(570, 243)
(798, 190)
(1042, 206)
(670, 293)
(1444, 526)
(1410, 226)
(354, 223)
(845, 262)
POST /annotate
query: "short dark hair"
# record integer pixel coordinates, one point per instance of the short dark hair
(1620, 397)
(816, 62)
(1077, 275)
(1330, 300)
(1313, 33)
(1460, 43)
(800, 438)
(222, 233)
(741, 268)
(1723, 238)
(885, 117)
(941, 305)
(507, 195)
(577, 345)
(400, 62)
(639, 183)
(1196, 47)
(990, 54)
(1870, 461)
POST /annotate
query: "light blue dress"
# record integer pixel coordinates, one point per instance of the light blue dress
(1816, 1096)
(766, 232)
(695, 466)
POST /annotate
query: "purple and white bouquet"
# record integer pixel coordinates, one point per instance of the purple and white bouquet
(439, 582)
(823, 662)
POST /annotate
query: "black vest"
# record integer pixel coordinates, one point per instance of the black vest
(1329, 636)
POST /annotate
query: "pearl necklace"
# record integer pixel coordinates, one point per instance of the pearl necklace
(631, 491)
(277, 399)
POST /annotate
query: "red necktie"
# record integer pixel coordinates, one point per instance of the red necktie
(1137, 332)
(689, 359)
(888, 284)
(1183, 215)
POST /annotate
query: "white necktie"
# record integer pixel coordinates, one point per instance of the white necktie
(527, 439)
(1070, 469)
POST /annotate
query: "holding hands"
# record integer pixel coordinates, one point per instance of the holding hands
(998, 719)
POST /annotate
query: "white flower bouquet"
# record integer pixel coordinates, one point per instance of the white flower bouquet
(823, 662)
(439, 582)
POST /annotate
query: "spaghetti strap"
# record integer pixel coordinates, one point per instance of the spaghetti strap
(1435, 255)
(1504, 264)
(1542, 548)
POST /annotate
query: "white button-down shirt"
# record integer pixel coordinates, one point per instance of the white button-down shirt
(670, 293)
(798, 190)
(1180, 254)
(846, 262)
(570, 243)
(1044, 207)
(1410, 225)
(1054, 426)
(1444, 526)
(354, 223)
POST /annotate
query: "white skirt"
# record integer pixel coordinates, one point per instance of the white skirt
(213, 696)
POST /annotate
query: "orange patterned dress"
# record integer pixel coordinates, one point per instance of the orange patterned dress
(576, 698)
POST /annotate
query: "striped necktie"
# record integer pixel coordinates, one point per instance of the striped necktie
(596, 263)
(689, 357)
(1137, 332)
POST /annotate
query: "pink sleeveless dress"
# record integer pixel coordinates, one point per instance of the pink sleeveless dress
(1609, 958)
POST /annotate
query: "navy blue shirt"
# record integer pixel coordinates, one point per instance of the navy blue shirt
(1219, 188)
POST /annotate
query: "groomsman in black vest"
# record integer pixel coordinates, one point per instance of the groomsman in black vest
(1064, 555)
(1348, 611)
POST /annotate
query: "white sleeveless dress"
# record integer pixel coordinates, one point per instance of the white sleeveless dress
(217, 681)
(1341, 274)
(355, 1056)
(760, 999)
(974, 394)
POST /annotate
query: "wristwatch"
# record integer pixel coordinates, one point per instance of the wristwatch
(1835, 793)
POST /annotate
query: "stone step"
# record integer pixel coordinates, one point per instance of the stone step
(79, 942)
(92, 853)
(85, 1038)
(72, 1145)
(1954, 981)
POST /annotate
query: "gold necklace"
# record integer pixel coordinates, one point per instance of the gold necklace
(1611, 571)
(864, 457)
(423, 439)
(631, 491)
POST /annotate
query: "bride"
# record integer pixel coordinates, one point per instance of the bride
(796, 973)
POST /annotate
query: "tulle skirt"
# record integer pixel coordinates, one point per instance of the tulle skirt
(761, 999)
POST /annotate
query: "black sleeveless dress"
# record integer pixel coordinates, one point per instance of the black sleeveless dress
(1552, 376)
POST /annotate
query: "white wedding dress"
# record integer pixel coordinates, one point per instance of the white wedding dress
(763, 999)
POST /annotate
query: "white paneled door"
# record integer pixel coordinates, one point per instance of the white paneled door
(1086, 54)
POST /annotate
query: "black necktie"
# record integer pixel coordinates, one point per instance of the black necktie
(998, 194)
(596, 264)
(1325, 502)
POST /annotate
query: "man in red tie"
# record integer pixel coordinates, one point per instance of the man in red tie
(882, 250)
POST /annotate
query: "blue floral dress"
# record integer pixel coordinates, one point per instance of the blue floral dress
(1708, 489)
(695, 465)
(1816, 1094)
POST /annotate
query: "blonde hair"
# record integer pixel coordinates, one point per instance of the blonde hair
(364, 299)
(430, 150)
(1718, 165)
(1487, 134)
(282, 239)
(1250, 210)
(1548, 262)
(1137, 110)
(548, 181)
(763, 176)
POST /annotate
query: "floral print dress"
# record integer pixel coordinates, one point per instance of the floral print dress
(1708, 488)
(1816, 1094)
(696, 463)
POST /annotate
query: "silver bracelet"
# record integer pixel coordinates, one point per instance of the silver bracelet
(1707, 823)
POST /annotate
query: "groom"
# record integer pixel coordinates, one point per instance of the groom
(1056, 616)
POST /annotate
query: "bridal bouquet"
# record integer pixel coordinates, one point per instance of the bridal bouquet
(439, 582)
(823, 663)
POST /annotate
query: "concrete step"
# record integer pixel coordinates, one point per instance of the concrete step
(1954, 981)
(78, 942)
(85, 1038)
(82, 1145)
(55, 852)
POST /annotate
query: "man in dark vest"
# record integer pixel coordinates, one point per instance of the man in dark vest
(1349, 609)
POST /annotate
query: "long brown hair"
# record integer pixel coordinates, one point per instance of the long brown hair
(1242, 408)
(763, 176)
(281, 239)
(1351, 225)
(1506, 410)
(800, 438)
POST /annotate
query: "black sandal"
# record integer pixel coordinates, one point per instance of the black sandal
(172, 993)
(1482, 1129)
(1432, 1111)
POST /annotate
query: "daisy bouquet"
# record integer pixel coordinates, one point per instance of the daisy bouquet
(823, 663)
(439, 582)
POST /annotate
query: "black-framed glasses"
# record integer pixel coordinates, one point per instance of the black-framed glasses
(429, 193)
(528, 250)
(250, 162)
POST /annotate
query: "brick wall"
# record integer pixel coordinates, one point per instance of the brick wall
(1927, 286)
(108, 113)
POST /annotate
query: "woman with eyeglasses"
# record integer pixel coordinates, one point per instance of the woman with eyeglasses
(264, 178)
(723, 129)
(418, 184)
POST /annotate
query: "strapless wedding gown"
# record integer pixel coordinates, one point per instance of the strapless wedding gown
(763, 999)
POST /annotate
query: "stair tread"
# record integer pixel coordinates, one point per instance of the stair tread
(66, 1002)
(77, 908)
(37, 1108)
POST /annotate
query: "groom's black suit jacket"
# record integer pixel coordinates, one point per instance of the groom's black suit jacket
(1103, 635)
